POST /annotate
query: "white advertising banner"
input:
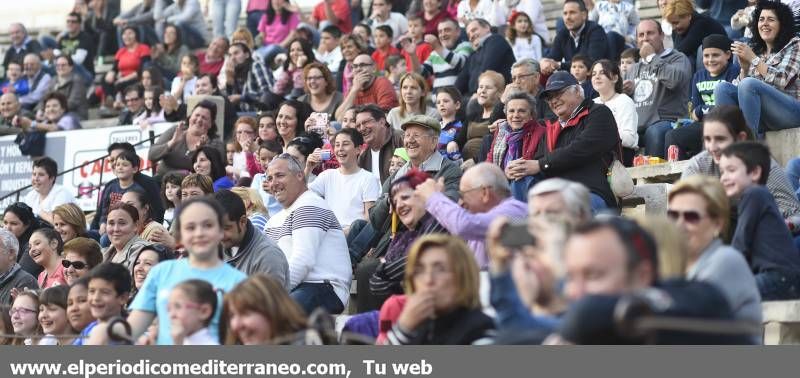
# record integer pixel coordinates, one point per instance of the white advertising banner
(72, 149)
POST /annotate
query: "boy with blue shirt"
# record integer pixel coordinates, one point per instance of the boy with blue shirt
(717, 67)
(108, 288)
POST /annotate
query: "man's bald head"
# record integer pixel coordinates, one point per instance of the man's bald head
(9, 105)
(17, 33)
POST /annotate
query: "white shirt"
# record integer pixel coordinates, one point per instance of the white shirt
(346, 194)
(624, 110)
(396, 21)
(201, 337)
(311, 238)
(492, 11)
(376, 163)
(331, 59)
(58, 195)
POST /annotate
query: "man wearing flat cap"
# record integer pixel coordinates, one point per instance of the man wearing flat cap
(578, 145)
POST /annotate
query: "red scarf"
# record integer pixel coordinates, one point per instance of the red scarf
(554, 127)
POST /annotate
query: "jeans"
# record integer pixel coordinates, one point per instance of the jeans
(654, 137)
(793, 174)
(759, 102)
(312, 295)
(616, 44)
(778, 284)
(253, 19)
(225, 16)
(520, 187)
(688, 138)
(597, 203)
(359, 239)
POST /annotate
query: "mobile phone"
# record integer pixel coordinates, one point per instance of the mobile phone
(325, 155)
(516, 235)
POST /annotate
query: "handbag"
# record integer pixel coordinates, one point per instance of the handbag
(31, 143)
(619, 178)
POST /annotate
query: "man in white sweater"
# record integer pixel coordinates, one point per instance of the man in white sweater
(308, 233)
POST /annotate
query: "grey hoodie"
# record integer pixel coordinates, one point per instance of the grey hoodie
(259, 254)
(662, 87)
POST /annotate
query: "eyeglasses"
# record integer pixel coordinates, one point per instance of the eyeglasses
(691, 216)
(365, 122)
(79, 265)
(21, 311)
(314, 78)
(520, 77)
(362, 65)
(463, 192)
(301, 139)
(555, 96)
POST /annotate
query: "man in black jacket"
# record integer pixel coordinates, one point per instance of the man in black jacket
(579, 36)
(492, 52)
(21, 44)
(579, 145)
(12, 276)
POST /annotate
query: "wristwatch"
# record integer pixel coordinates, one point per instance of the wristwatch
(756, 61)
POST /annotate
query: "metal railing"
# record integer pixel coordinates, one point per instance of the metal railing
(151, 138)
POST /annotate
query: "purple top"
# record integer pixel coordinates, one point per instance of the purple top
(472, 227)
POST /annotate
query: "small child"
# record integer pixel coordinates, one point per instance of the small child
(521, 37)
(395, 69)
(15, 82)
(184, 83)
(171, 195)
(581, 71)
(628, 58)
(109, 288)
(761, 233)
(230, 151)
(125, 166)
(415, 39)
(152, 113)
(267, 150)
(383, 35)
(453, 135)
(191, 307)
(399, 159)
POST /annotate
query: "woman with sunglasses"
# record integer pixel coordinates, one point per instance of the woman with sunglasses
(80, 256)
(700, 208)
(300, 148)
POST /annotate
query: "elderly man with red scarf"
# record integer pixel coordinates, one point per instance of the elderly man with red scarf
(578, 146)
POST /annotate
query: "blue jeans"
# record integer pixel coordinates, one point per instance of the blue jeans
(597, 203)
(793, 174)
(225, 16)
(312, 295)
(759, 102)
(253, 19)
(778, 284)
(654, 138)
(359, 239)
(520, 187)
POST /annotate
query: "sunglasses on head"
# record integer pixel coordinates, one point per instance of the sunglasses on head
(79, 265)
(690, 216)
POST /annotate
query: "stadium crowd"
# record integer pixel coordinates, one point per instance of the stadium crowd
(430, 171)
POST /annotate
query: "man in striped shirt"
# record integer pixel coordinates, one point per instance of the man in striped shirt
(307, 232)
(448, 56)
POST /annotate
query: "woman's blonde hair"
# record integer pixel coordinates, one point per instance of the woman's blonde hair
(264, 295)
(462, 265)
(678, 8)
(673, 257)
(72, 215)
(252, 200)
(717, 204)
(498, 80)
(242, 35)
(423, 97)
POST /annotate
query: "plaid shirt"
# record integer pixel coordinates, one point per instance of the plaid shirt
(259, 81)
(782, 69)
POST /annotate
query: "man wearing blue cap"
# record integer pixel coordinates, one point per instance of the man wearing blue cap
(578, 145)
